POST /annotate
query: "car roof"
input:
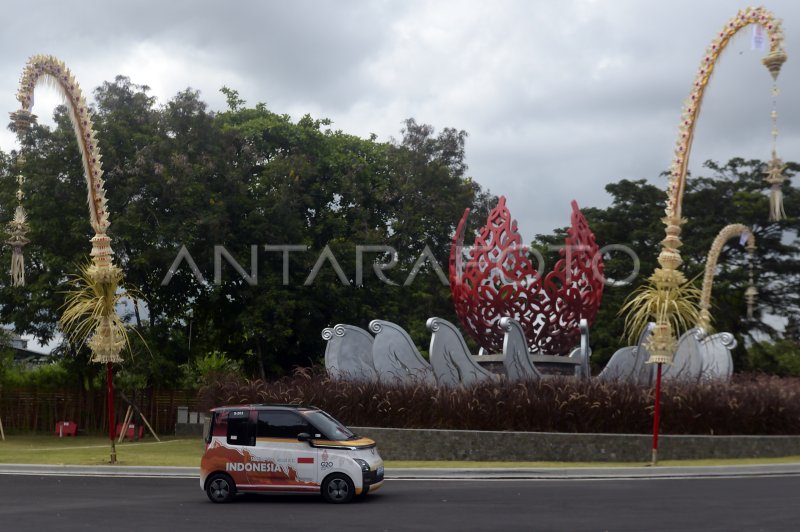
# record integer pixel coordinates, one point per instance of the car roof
(263, 406)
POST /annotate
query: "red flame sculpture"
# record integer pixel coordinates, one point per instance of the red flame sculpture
(498, 279)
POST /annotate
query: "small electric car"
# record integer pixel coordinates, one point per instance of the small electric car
(286, 449)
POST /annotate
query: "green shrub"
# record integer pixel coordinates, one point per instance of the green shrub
(52, 376)
(208, 368)
(778, 358)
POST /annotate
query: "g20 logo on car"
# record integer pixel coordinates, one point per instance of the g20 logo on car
(326, 465)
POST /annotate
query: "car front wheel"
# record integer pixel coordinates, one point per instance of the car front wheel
(338, 488)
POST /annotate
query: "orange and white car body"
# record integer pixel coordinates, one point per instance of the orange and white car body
(258, 447)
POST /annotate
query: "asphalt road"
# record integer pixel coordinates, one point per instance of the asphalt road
(55, 503)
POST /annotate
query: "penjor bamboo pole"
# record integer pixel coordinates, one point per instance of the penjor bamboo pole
(657, 416)
(668, 297)
(110, 374)
(109, 336)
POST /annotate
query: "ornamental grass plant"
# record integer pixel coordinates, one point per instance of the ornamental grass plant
(749, 404)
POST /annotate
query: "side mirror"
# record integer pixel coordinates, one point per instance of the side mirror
(304, 436)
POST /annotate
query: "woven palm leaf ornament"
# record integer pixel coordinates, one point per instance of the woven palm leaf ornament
(728, 232)
(751, 293)
(668, 298)
(17, 230)
(90, 315)
(774, 172)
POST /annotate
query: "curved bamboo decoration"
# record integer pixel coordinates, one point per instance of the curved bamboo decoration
(727, 232)
(109, 336)
(691, 110)
(668, 288)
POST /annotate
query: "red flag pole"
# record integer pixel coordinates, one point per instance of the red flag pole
(657, 415)
(110, 380)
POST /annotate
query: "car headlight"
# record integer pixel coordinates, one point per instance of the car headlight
(362, 464)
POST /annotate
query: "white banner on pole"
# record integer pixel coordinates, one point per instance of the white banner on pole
(758, 38)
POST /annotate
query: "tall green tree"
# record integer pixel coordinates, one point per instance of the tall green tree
(731, 193)
(183, 179)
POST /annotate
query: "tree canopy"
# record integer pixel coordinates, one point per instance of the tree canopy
(295, 226)
(245, 186)
(729, 193)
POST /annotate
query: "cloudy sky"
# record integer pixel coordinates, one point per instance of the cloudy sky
(558, 97)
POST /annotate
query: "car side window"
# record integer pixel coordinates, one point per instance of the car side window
(278, 424)
(239, 428)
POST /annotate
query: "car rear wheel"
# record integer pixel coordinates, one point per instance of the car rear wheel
(220, 488)
(338, 488)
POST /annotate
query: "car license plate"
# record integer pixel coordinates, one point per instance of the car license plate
(380, 471)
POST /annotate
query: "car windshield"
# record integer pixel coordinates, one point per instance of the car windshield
(329, 427)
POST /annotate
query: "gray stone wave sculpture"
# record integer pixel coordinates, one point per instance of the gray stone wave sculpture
(584, 352)
(348, 354)
(581, 355)
(697, 357)
(516, 361)
(451, 360)
(715, 353)
(391, 355)
(687, 363)
(629, 363)
(395, 356)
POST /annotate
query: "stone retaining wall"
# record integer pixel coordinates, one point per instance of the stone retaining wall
(431, 444)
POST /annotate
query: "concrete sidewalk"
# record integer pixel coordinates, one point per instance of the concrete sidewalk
(554, 473)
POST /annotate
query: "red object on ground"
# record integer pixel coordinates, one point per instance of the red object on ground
(66, 428)
(129, 431)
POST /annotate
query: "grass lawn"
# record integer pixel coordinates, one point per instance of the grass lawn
(95, 450)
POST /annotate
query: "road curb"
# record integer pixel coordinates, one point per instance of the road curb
(599, 473)
(99, 471)
(574, 473)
